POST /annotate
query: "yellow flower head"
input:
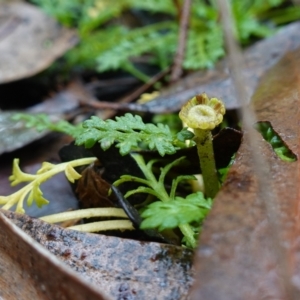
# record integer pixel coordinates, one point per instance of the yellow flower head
(202, 113)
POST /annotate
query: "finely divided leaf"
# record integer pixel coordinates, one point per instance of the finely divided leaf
(37, 195)
(168, 215)
(43, 122)
(184, 134)
(205, 48)
(132, 43)
(127, 132)
(127, 123)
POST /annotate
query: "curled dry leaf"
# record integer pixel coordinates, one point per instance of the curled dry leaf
(238, 256)
(29, 40)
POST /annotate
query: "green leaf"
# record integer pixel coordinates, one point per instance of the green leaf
(136, 42)
(32, 189)
(184, 135)
(278, 145)
(37, 195)
(43, 122)
(204, 47)
(106, 46)
(127, 132)
(250, 17)
(171, 214)
(71, 173)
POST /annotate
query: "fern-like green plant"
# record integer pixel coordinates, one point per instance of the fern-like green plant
(269, 134)
(133, 43)
(33, 193)
(166, 215)
(109, 47)
(169, 211)
(32, 190)
(128, 131)
(43, 122)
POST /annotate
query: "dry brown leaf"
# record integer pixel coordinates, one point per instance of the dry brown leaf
(15, 134)
(29, 40)
(121, 268)
(29, 272)
(236, 258)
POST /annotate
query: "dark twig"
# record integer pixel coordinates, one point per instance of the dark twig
(178, 7)
(145, 87)
(123, 103)
(116, 106)
(183, 30)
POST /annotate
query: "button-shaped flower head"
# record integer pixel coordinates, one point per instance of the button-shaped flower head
(202, 113)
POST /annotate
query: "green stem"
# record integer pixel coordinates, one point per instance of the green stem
(158, 187)
(129, 67)
(189, 235)
(85, 213)
(104, 225)
(205, 150)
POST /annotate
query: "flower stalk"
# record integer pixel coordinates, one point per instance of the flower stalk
(91, 213)
(85, 213)
(104, 226)
(203, 115)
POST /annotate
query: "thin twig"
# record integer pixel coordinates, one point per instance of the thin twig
(183, 30)
(123, 103)
(177, 5)
(144, 87)
(116, 106)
